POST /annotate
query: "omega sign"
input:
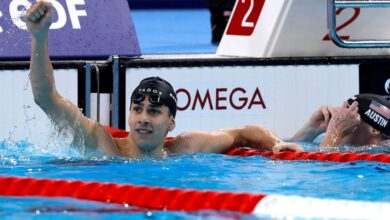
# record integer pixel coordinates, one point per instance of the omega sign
(220, 99)
(387, 86)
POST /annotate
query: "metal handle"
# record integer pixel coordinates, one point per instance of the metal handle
(333, 4)
(87, 111)
(115, 92)
(98, 92)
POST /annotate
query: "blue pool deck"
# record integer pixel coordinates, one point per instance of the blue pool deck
(173, 31)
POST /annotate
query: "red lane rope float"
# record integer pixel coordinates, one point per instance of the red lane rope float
(142, 196)
(115, 132)
(333, 156)
(288, 155)
(158, 198)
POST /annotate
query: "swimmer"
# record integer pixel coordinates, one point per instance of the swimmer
(152, 111)
(220, 11)
(360, 121)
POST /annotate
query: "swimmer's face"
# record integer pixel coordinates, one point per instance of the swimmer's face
(149, 125)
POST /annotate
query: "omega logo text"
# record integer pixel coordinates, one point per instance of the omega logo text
(220, 99)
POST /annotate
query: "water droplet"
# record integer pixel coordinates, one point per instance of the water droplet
(148, 214)
(13, 162)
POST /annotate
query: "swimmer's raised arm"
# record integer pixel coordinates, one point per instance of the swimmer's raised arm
(344, 122)
(223, 140)
(61, 111)
(315, 126)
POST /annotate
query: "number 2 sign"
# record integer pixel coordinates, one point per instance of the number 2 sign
(245, 17)
(297, 28)
(345, 24)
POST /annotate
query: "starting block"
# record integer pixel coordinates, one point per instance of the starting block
(297, 28)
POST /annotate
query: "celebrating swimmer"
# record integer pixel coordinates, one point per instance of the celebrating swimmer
(152, 111)
(362, 120)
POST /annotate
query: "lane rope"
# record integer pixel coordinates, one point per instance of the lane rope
(319, 156)
(142, 196)
(158, 198)
(288, 155)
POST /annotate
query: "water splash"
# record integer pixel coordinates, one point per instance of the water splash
(373, 149)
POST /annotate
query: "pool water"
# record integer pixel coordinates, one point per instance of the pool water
(361, 180)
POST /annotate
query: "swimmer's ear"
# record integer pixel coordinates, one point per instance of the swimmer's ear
(172, 124)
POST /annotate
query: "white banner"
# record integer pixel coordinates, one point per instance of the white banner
(279, 97)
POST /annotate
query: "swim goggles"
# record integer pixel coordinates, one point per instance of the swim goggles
(153, 98)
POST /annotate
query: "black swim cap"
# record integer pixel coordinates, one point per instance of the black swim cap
(159, 91)
(375, 111)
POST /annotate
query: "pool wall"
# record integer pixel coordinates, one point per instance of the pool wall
(213, 92)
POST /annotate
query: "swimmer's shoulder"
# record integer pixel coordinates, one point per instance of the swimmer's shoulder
(120, 142)
(170, 144)
(179, 144)
(103, 140)
(125, 146)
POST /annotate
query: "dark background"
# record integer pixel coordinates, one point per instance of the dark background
(373, 78)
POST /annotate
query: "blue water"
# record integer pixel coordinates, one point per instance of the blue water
(173, 31)
(360, 180)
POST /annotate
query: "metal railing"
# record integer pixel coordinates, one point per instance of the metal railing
(334, 4)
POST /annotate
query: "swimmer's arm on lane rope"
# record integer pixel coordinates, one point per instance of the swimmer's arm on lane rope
(223, 140)
(60, 110)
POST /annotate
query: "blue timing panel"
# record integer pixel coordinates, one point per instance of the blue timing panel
(155, 4)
